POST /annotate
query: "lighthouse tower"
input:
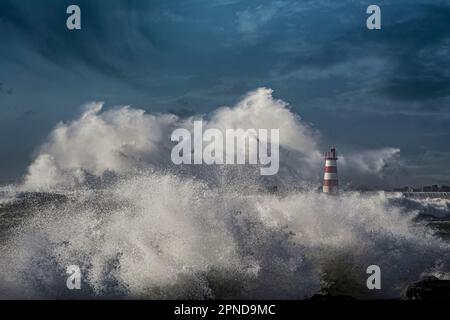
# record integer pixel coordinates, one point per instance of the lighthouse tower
(330, 177)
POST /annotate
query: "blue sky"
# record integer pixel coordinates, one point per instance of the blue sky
(362, 89)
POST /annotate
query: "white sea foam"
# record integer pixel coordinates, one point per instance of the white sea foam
(159, 231)
(159, 236)
(124, 139)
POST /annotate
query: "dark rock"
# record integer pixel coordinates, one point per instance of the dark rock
(429, 288)
(329, 297)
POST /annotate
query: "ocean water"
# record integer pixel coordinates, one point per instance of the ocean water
(102, 194)
(158, 236)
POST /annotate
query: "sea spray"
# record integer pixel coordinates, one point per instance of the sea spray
(102, 194)
(160, 236)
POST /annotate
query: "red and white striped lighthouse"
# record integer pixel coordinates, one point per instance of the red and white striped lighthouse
(330, 177)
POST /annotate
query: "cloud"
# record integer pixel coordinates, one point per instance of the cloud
(249, 21)
(99, 46)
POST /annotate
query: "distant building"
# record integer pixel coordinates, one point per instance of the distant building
(433, 188)
(404, 189)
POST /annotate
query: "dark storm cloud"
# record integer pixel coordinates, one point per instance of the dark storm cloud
(125, 39)
(407, 61)
(104, 43)
(420, 48)
(191, 56)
